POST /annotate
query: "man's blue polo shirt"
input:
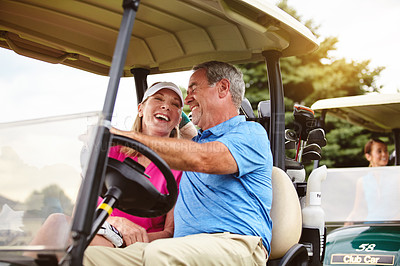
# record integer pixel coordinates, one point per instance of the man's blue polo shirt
(238, 203)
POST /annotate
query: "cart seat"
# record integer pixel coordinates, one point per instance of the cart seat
(285, 215)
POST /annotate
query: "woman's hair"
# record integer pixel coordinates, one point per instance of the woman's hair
(368, 145)
(137, 127)
(215, 71)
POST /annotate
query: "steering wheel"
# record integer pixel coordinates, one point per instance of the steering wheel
(127, 182)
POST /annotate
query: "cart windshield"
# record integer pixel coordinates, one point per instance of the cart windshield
(42, 161)
(361, 195)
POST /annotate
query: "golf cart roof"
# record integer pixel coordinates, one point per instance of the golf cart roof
(168, 35)
(375, 112)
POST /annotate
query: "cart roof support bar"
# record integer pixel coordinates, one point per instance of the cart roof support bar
(140, 75)
(86, 203)
(396, 134)
(277, 124)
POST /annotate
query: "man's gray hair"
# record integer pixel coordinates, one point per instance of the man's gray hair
(215, 71)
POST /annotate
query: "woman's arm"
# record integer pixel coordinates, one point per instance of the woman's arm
(359, 204)
(168, 228)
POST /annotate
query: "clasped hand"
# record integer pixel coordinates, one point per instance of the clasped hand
(130, 231)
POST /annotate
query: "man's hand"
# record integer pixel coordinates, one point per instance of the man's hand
(130, 231)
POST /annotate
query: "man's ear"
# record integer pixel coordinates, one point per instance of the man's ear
(223, 87)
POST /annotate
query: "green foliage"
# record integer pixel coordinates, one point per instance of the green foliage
(315, 76)
(186, 108)
(345, 144)
(256, 80)
(312, 77)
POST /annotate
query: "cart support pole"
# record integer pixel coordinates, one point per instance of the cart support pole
(140, 75)
(94, 176)
(277, 122)
(396, 133)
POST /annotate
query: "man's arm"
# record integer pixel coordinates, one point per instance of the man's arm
(186, 155)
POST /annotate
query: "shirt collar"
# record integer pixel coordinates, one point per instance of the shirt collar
(223, 127)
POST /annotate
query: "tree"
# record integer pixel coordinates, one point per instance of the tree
(346, 145)
(315, 76)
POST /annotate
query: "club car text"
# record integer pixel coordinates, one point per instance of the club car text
(362, 259)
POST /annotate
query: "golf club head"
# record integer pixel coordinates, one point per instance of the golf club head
(291, 135)
(312, 147)
(317, 136)
(290, 145)
(310, 156)
(304, 120)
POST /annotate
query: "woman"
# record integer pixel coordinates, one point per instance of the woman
(370, 200)
(376, 153)
(159, 114)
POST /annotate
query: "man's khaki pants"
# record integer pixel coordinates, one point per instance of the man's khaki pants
(201, 249)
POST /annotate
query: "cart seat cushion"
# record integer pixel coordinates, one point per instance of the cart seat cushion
(285, 214)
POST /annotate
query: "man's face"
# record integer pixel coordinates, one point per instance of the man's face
(200, 98)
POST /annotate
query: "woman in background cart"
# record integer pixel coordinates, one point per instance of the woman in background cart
(371, 203)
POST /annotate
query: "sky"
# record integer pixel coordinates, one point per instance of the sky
(366, 29)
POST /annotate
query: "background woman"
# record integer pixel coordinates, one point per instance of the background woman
(372, 200)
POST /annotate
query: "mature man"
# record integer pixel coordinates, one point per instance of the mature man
(222, 212)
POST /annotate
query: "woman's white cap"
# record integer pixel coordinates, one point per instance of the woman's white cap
(163, 85)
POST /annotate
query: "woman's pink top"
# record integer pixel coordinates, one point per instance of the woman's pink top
(150, 224)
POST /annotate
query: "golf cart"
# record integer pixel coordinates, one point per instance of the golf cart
(365, 218)
(154, 37)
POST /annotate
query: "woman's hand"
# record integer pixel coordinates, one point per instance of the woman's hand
(131, 232)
